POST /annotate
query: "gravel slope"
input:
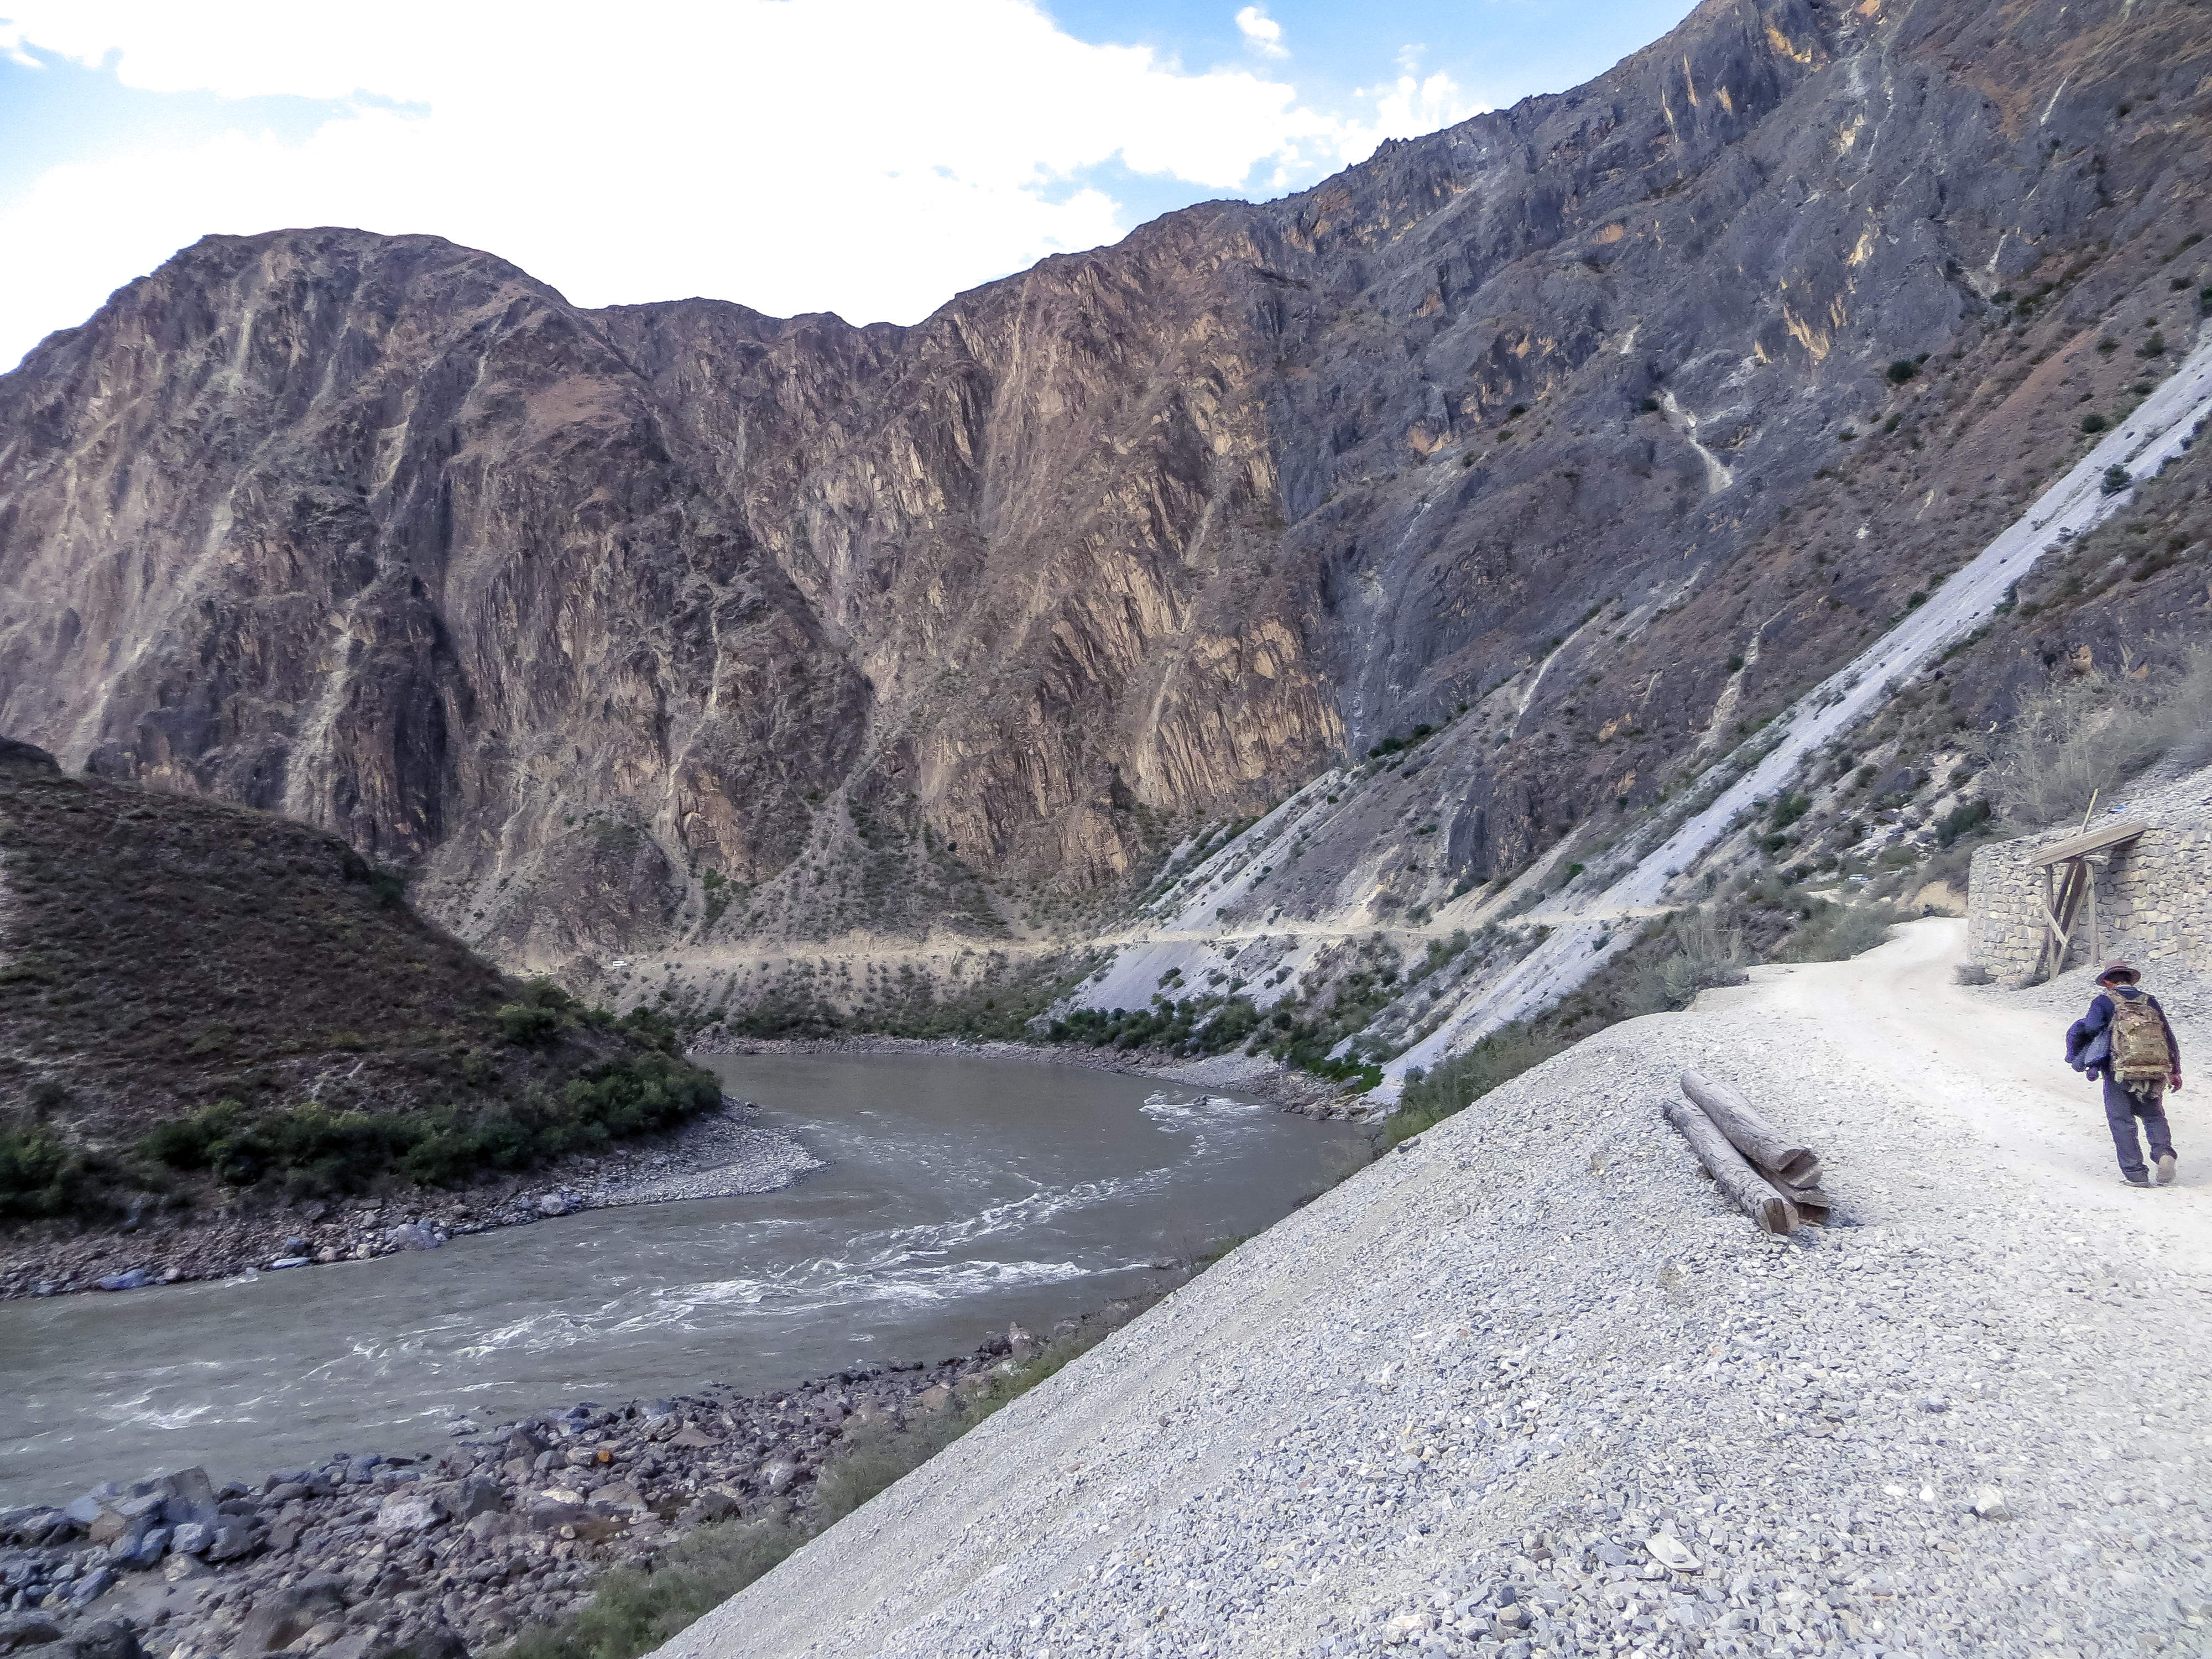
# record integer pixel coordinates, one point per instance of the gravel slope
(1497, 1365)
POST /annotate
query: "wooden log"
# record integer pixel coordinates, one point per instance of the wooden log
(1750, 1134)
(1812, 1203)
(1753, 1192)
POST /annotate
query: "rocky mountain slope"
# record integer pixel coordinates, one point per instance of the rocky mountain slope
(1601, 425)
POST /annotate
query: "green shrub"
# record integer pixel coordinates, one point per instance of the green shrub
(633, 1611)
(1461, 1081)
(1703, 955)
(312, 1148)
(1962, 820)
(543, 1012)
(1837, 932)
(2093, 424)
(1901, 371)
(2084, 738)
(41, 1176)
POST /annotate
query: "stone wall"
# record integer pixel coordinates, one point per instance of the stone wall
(2153, 898)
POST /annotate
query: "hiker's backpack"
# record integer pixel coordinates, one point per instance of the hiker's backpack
(2138, 1032)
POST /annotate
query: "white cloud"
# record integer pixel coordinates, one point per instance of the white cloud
(1262, 32)
(869, 156)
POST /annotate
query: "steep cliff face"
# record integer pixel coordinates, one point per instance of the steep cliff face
(677, 621)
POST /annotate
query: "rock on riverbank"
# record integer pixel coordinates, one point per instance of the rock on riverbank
(716, 1155)
(448, 1554)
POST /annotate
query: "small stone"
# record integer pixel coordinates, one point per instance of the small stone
(1669, 1552)
(132, 1279)
(1989, 1503)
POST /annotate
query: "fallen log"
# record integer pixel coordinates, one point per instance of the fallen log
(1750, 1134)
(1813, 1206)
(1754, 1193)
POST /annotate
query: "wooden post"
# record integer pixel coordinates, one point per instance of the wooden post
(2096, 953)
(1753, 1192)
(1750, 1134)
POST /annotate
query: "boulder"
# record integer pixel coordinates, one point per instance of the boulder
(493, 1524)
(86, 1510)
(125, 1520)
(551, 1514)
(34, 1525)
(27, 1630)
(410, 1511)
(438, 1642)
(187, 1496)
(111, 1639)
(413, 1235)
(147, 1549)
(82, 1592)
(234, 1538)
(619, 1497)
(477, 1495)
(280, 1616)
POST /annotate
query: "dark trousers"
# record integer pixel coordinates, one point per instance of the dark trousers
(2122, 1108)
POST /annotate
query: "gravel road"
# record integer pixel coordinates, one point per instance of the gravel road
(1450, 1406)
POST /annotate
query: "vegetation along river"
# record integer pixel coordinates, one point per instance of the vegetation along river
(959, 1194)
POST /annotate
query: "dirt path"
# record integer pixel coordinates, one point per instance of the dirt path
(1988, 1063)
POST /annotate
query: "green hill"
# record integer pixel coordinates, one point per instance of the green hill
(191, 991)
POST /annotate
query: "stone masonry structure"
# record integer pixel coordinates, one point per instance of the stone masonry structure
(2153, 897)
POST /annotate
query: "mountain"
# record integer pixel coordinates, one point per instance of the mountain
(1601, 425)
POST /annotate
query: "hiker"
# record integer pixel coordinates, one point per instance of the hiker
(2126, 1039)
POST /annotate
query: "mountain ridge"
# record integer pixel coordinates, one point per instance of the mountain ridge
(677, 628)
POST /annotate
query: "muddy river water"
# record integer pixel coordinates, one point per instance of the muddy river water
(959, 1194)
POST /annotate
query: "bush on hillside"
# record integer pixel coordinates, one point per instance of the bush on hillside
(313, 1148)
(1836, 932)
(2071, 742)
(1704, 955)
(1461, 1081)
(41, 1176)
(633, 1611)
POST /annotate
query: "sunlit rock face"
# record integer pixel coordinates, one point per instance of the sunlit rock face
(629, 623)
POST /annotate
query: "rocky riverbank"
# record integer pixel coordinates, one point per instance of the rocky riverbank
(1256, 1075)
(369, 1556)
(716, 1155)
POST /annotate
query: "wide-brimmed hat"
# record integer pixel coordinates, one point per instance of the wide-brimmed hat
(2118, 969)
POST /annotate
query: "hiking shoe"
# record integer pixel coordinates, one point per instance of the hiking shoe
(2166, 1170)
(2135, 1180)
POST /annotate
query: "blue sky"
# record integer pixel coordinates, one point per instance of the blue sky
(871, 157)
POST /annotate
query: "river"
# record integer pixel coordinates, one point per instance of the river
(959, 1194)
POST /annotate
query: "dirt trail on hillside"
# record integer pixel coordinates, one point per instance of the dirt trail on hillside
(1990, 1065)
